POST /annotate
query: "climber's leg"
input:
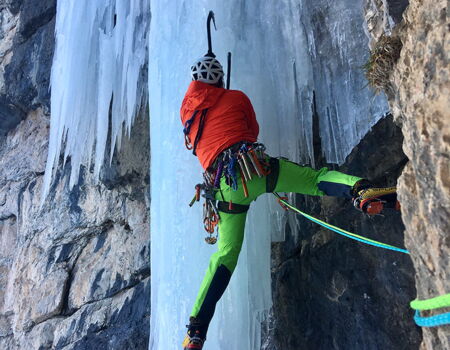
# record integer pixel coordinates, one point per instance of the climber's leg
(293, 177)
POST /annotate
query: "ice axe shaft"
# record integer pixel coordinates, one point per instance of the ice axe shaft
(228, 70)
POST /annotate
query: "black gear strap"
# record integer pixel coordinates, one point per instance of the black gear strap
(200, 130)
(224, 207)
(272, 178)
(201, 125)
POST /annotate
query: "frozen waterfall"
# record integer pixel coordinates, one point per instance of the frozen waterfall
(285, 52)
(100, 54)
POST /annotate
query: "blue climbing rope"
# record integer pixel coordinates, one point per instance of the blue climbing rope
(432, 321)
(341, 231)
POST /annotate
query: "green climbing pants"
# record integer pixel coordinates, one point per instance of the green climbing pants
(291, 178)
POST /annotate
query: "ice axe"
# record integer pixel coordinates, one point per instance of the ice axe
(210, 52)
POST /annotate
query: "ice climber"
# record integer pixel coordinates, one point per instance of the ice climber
(221, 129)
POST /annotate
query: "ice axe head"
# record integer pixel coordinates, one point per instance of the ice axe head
(208, 29)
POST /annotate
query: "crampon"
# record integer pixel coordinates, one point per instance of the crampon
(374, 201)
(193, 342)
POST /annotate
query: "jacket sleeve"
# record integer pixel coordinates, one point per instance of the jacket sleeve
(251, 116)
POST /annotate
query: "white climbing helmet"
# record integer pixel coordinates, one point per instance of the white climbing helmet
(207, 69)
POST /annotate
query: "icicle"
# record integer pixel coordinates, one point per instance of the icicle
(100, 56)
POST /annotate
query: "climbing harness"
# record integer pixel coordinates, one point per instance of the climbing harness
(442, 301)
(338, 230)
(249, 159)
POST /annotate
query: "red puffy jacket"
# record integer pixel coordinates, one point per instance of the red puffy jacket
(229, 120)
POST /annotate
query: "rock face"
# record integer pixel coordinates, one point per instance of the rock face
(74, 271)
(334, 293)
(26, 51)
(381, 16)
(422, 105)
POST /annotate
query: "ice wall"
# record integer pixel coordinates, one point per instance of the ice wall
(98, 80)
(284, 53)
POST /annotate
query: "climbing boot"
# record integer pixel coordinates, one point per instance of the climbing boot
(194, 338)
(372, 200)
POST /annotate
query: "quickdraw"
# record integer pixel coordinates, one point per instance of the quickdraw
(210, 212)
(210, 220)
(252, 160)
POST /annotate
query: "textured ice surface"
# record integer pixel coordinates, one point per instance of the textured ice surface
(101, 50)
(284, 53)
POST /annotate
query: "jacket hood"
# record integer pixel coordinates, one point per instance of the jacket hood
(201, 95)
